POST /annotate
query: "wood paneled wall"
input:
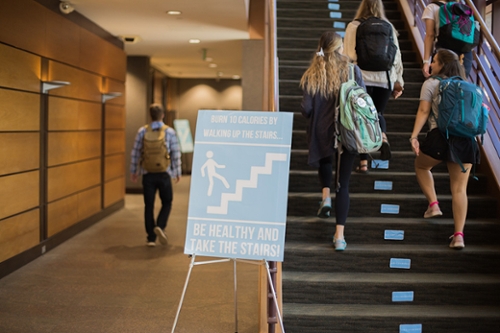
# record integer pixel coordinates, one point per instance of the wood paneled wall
(62, 153)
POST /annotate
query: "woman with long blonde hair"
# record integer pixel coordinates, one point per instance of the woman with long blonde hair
(321, 83)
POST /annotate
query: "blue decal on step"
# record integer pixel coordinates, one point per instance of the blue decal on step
(400, 263)
(394, 234)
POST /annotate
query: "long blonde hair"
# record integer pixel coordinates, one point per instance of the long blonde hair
(369, 8)
(328, 69)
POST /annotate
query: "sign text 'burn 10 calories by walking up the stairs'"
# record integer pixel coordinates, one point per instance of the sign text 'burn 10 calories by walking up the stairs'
(239, 185)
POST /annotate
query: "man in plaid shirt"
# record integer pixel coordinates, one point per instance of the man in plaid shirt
(153, 182)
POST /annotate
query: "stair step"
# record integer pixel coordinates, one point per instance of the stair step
(353, 318)
(378, 288)
(371, 230)
(399, 182)
(376, 258)
(390, 205)
(402, 161)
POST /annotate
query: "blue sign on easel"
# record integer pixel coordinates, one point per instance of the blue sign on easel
(239, 185)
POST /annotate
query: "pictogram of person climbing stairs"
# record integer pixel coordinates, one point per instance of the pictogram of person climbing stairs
(241, 184)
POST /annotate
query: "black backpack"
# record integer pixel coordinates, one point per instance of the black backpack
(375, 46)
(457, 28)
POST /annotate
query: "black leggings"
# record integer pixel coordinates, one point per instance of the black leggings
(325, 173)
(380, 97)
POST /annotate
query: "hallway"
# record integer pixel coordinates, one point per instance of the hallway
(107, 280)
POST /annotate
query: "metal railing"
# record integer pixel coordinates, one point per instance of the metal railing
(485, 73)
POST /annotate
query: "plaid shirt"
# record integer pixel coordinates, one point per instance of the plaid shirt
(174, 170)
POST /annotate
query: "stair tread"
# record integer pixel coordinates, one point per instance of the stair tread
(396, 310)
(411, 278)
(395, 220)
(391, 247)
(386, 196)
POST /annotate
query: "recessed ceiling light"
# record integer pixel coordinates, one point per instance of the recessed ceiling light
(212, 65)
(236, 77)
(174, 12)
(194, 41)
(208, 59)
(130, 39)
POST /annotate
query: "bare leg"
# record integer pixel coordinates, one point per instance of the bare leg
(423, 166)
(458, 185)
(325, 193)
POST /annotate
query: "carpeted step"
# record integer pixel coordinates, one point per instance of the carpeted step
(378, 289)
(383, 181)
(401, 161)
(390, 205)
(340, 318)
(376, 258)
(375, 230)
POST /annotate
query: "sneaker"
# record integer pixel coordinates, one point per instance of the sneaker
(432, 212)
(324, 208)
(340, 244)
(151, 244)
(161, 235)
(457, 241)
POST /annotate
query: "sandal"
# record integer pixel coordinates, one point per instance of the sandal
(385, 150)
(362, 168)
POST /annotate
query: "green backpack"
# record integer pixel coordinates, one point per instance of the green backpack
(155, 156)
(358, 125)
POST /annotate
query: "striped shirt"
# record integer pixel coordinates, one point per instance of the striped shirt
(174, 170)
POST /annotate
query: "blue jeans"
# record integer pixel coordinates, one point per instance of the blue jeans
(152, 182)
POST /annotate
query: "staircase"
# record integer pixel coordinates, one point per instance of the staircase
(413, 283)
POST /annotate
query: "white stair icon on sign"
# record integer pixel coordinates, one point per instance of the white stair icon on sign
(255, 171)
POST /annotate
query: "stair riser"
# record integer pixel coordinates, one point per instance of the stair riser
(365, 183)
(355, 324)
(427, 232)
(292, 88)
(392, 15)
(402, 162)
(412, 75)
(402, 106)
(307, 292)
(479, 207)
(351, 261)
(306, 55)
(323, 5)
(398, 141)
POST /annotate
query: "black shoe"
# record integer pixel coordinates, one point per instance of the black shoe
(385, 151)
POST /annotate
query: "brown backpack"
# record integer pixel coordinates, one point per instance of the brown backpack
(155, 157)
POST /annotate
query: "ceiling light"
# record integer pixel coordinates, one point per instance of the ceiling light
(209, 59)
(236, 77)
(212, 65)
(219, 74)
(130, 39)
(174, 12)
(194, 41)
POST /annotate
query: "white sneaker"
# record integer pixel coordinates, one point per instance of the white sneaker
(457, 241)
(151, 244)
(161, 235)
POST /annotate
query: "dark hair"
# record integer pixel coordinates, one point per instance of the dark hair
(156, 111)
(451, 64)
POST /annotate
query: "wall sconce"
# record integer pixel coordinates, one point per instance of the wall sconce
(107, 96)
(49, 85)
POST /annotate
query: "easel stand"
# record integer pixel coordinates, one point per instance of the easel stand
(261, 262)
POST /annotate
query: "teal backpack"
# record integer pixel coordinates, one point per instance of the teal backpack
(461, 111)
(457, 28)
(358, 125)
